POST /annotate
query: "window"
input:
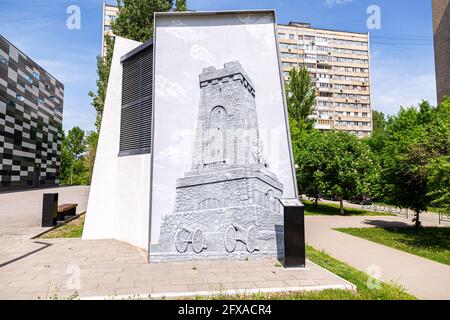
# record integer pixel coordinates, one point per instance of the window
(4, 60)
(28, 79)
(52, 98)
(36, 75)
(20, 98)
(136, 114)
(41, 101)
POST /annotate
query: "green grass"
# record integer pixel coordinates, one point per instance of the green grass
(73, 229)
(383, 292)
(334, 210)
(430, 243)
(359, 279)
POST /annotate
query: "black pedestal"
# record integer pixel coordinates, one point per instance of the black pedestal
(294, 233)
(49, 210)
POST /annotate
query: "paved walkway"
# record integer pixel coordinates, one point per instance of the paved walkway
(21, 212)
(421, 277)
(425, 217)
(107, 268)
(31, 269)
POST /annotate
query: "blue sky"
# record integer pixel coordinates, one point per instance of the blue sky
(402, 51)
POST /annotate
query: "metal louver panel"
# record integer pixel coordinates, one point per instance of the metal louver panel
(136, 116)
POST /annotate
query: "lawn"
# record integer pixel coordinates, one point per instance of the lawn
(73, 229)
(359, 279)
(430, 243)
(334, 210)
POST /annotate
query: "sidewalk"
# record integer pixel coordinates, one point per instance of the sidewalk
(104, 269)
(430, 217)
(21, 212)
(421, 277)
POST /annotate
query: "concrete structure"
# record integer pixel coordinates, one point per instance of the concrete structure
(120, 190)
(339, 63)
(110, 13)
(441, 30)
(230, 192)
(31, 113)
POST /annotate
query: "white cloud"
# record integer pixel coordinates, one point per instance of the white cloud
(179, 30)
(201, 53)
(331, 3)
(178, 153)
(169, 89)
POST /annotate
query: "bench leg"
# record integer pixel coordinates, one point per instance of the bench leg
(72, 212)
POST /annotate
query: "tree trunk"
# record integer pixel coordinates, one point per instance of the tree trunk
(316, 203)
(417, 220)
(342, 205)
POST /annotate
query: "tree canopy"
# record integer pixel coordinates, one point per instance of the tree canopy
(135, 22)
(301, 98)
(415, 157)
(337, 163)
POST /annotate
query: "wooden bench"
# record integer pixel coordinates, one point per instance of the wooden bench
(64, 210)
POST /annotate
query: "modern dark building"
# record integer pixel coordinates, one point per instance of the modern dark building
(31, 113)
(441, 30)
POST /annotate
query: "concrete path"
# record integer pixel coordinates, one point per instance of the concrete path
(63, 267)
(21, 212)
(426, 217)
(421, 277)
(31, 269)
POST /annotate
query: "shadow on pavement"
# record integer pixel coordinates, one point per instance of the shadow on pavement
(44, 246)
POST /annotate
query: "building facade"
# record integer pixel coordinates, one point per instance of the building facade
(339, 64)
(441, 31)
(31, 113)
(110, 13)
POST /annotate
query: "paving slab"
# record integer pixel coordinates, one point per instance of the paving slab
(67, 266)
(21, 212)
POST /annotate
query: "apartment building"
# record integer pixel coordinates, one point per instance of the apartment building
(110, 13)
(31, 114)
(441, 30)
(339, 64)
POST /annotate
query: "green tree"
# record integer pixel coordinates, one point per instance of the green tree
(91, 141)
(75, 145)
(311, 163)
(66, 162)
(337, 163)
(103, 68)
(415, 157)
(301, 97)
(135, 22)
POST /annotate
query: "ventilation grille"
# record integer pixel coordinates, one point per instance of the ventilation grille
(136, 120)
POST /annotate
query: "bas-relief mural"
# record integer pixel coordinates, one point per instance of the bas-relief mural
(226, 206)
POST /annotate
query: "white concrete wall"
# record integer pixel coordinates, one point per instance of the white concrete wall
(118, 206)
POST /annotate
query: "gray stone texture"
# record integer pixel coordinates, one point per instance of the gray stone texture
(226, 206)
